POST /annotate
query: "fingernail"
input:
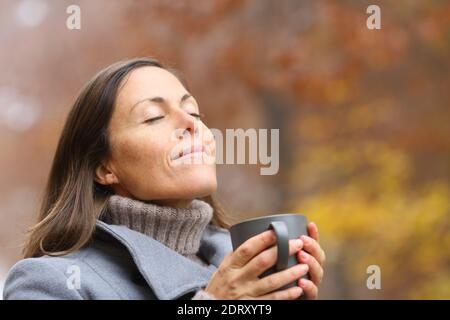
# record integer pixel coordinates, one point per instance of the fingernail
(298, 243)
(303, 282)
(305, 239)
(303, 255)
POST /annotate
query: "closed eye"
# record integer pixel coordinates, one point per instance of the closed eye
(196, 115)
(153, 119)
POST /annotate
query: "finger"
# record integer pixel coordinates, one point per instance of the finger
(287, 294)
(268, 258)
(315, 269)
(277, 280)
(251, 247)
(309, 289)
(312, 247)
(313, 231)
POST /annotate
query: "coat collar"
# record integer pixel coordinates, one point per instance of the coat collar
(170, 274)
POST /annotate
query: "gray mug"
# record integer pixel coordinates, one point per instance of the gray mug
(286, 226)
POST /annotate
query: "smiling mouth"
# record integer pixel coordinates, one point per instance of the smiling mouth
(190, 151)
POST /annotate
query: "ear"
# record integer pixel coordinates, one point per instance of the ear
(104, 176)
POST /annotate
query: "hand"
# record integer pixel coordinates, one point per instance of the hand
(312, 255)
(237, 275)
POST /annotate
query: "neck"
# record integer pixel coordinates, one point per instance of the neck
(179, 228)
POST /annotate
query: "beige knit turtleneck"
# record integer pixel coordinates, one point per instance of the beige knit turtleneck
(180, 229)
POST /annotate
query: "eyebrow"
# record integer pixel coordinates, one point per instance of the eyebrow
(159, 100)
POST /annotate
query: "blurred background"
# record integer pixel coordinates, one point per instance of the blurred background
(363, 116)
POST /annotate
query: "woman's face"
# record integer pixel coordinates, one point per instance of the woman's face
(154, 120)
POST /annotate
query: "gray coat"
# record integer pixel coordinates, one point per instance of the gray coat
(118, 263)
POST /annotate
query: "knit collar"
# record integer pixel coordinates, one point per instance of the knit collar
(180, 229)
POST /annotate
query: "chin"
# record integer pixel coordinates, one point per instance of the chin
(198, 184)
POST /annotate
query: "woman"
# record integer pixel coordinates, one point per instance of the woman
(126, 216)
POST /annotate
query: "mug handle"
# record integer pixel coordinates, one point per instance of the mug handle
(282, 234)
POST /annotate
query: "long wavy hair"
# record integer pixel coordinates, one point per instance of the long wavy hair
(73, 201)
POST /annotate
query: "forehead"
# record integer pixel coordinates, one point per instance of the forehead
(148, 82)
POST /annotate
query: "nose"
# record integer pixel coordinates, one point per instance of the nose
(188, 126)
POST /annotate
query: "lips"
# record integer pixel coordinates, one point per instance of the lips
(188, 150)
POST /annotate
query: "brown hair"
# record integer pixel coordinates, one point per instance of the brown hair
(72, 200)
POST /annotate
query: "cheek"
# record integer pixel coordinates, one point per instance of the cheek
(138, 158)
